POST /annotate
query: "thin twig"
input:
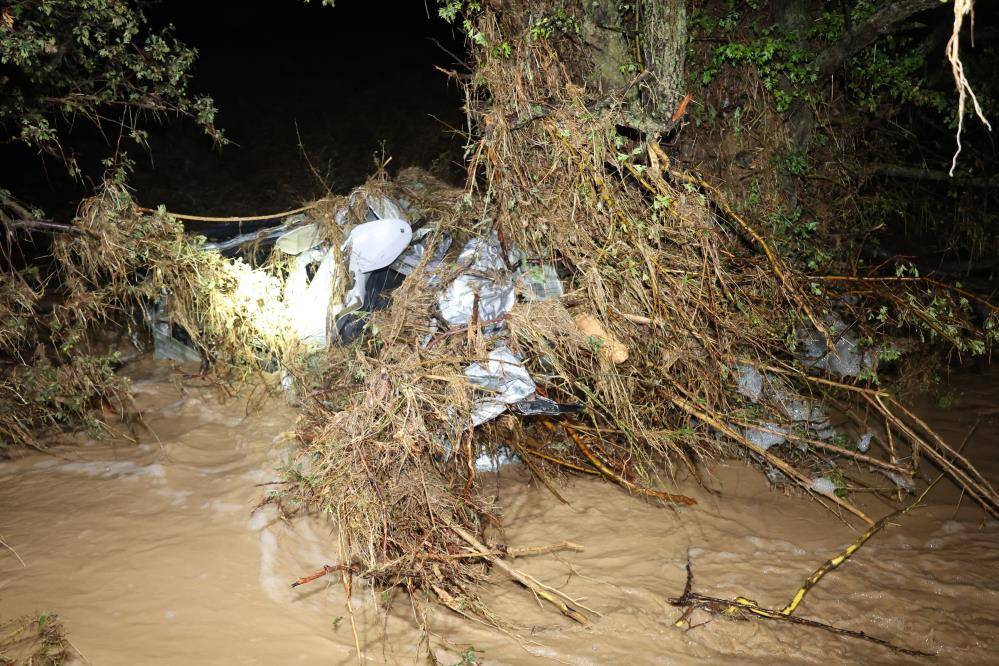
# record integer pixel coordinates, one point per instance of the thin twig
(242, 218)
(617, 478)
(523, 578)
(5, 545)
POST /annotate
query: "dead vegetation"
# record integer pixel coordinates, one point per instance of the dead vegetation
(655, 256)
(36, 640)
(660, 260)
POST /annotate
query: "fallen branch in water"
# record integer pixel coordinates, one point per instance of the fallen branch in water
(774, 460)
(507, 552)
(835, 562)
(741, 608)
(325, 571)
(528, 551)
(11, 549)
(549, 594)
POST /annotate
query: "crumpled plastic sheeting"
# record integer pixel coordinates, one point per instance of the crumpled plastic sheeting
(485, 253)
(384, 208)
(753, 384)
(487, 462)
(411, 258)
(765, 439)
(165, 346)
(496, 298)
(377, 207)
(905, 484)
(490, 280)
(308, 301)
(864, 443)
(823, 486)
(846, 360)
(506, 380)
(290, 223)
(299, 239)
(539, 283)
(809, 416)
(750, 382)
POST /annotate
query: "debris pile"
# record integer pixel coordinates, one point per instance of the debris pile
(577, 311)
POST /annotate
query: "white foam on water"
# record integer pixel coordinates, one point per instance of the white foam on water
(260, 475)
(270, 583)
(260, 519)
(313, 540)
(952, 527)
(263, 521)
(178, 497)
(218, 506)
(106, 469)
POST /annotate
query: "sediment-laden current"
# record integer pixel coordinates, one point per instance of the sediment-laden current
(151, 553)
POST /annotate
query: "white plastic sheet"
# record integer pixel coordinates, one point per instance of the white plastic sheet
(369, 246)
(496, 298)
(308, 301)
(487, 277)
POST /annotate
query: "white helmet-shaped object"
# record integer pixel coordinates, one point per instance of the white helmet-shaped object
(373, 245)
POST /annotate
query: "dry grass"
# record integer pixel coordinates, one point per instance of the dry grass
(654, 254)
(36, 640)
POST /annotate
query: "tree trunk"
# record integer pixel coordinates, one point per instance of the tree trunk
(653, 37)
(664, 50)
(604, 29)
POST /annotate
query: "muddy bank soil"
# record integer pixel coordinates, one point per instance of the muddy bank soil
(150, 554)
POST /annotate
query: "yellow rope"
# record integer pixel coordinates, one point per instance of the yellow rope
(244, 218)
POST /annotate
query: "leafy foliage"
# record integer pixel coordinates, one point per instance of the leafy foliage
(465, 10)
(784, 68)
(95, 59)
(895, 70)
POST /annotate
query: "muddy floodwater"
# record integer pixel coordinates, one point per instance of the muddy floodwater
(150, 554)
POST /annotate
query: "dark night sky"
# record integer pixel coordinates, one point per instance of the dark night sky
(346, 79)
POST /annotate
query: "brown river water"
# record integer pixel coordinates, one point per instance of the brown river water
(150, 554)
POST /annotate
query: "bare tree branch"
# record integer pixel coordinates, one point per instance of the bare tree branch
(919, 173)
(884, 21)
(45, 225)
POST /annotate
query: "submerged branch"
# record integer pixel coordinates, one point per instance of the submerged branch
(746, 609)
